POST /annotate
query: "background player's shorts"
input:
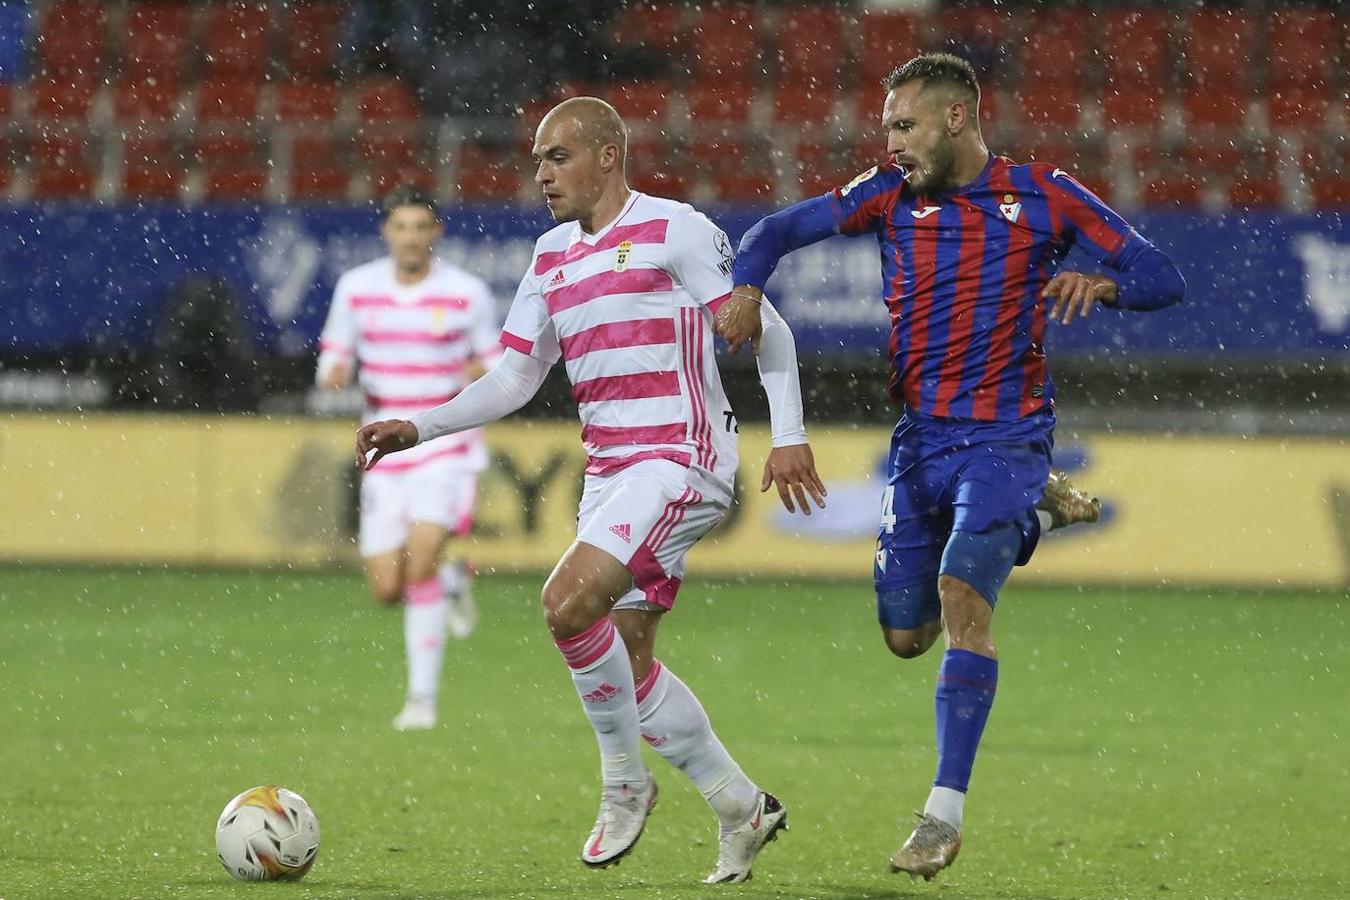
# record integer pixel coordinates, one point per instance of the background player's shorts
(950, 475)
(647, 516)
(438, 492)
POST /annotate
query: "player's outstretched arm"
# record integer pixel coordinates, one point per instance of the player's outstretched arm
(496, 395)
(1147, 280)
(791, 466)
(768, 241)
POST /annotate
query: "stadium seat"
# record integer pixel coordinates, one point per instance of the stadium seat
(1219, 50)
(397, 149)
(386, 100)
(641, 102)
(1053, 62)
(62, 168)
(307, 102)
(147, 102)
(1138, 67)
(739, 172)
(487, 172)
(724, 45)
(234, 40)
(656, 166)
(714, 102)
(807, 102)
(888, 38)
(979, 33)
(1301, 49)
(152, 169)
(1046, 102)
(61, 101)
(653, 26)
(810, 45)
(71, 41)
(224, 102)
(382, 181)
(311, 32)
(233, 165)
(156, 42)
(824, 166)
(320, 170)
(1326, 168)
(1165, 178)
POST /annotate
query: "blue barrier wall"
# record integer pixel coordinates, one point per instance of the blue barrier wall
(93, 279)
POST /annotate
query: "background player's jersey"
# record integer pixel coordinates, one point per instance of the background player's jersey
(411, 344)
(963, 273)
(629, 310)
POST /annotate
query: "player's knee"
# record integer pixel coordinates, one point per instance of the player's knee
(908, 643)
(564, 611)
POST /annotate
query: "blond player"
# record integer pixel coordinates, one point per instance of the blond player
(415, 331)
(624, 293)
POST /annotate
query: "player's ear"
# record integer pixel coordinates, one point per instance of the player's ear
(610, 157)
(958, 114)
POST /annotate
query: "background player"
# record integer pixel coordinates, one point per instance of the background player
(624, 291)
(970, 243)
(417, 330)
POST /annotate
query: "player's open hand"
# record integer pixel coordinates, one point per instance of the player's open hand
(385, 437)
(793, 469)
(1074, 293)
(737, 319)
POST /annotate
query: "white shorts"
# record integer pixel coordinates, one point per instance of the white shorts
(433, 493)
(648, 516)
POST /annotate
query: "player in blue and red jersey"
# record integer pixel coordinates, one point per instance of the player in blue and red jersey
(970, 250)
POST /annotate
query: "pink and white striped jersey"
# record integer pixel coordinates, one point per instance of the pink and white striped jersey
(629, 309)
(410, 344)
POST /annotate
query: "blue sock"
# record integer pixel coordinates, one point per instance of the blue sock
(965, 692)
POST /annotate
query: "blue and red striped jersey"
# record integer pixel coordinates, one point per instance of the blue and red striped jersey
(962, 275)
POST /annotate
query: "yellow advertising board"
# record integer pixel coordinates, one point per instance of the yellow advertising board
(272, 492)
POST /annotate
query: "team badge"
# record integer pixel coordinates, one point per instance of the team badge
(621, 258)
(1011, 207)
(843, 191)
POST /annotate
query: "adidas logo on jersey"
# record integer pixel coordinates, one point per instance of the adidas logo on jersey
(605, 691)
(557, 279)
(624, 531)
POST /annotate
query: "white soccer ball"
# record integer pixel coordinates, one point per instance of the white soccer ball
(267, 833)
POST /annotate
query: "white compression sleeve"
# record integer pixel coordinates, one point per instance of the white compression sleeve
(500, 392)
(778, 374)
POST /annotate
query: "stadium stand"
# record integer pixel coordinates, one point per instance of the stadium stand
(1243, 106)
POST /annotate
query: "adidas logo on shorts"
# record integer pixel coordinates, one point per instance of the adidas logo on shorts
(624, 531)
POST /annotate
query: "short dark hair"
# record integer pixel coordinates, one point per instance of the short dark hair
(936, 69)
(408, 195)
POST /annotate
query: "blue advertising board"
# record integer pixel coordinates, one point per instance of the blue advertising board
(93, 279)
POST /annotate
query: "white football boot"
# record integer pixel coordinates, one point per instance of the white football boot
(623, 814)
(461, 615)
(737, 849)
(418, 715)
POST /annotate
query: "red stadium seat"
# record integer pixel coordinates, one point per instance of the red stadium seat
(386, 100)
(1246, 192)
(319, 169)
(807, 102)
(60, 100)
(889, 38)
(71, 41)
(233, 165)
(810, 46)
(1050, 102)
(487, 172)
(218, 148)
(311, 31)
(1219, 51)
(822, 167)
(1138, 76)
(391, 149)
(646, 102)
(234, 40)
(236, 181)
(307, 102)
(719, 102)
(228, 101)
(151, 101)
(1326, 169)
(724, 45)
(1298, 106)
(657, 167)
(655, 26)
(1301, 49)
(978, 33)
(61, 168)
(1136, 104)
(1053, 60)
(156, 42)
(152, 169)
(1165, 178)
(384, 180)
(738, 171)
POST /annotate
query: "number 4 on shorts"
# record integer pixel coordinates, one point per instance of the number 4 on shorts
(888, 509)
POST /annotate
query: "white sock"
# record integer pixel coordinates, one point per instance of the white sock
(424, 624)
(946, 804)
(604, 681)
(1047, 523)
(451, 577)
(674, 724)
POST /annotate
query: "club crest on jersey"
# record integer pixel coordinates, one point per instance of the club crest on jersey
(1011, 207)
(621, 257)
(843, 191)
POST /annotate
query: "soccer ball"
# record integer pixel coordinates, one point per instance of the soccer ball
(267, 834)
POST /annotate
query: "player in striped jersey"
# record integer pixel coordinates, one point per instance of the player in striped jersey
(624, 292)
(414, 330)
(970, 251)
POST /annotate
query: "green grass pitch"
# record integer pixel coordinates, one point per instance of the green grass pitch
(1143, 744)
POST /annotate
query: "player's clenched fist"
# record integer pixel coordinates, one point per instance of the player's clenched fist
(737, 320)
(388, 436)
(1074, 293)
(793, 469)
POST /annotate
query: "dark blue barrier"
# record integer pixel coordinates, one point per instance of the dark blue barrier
(92, 279)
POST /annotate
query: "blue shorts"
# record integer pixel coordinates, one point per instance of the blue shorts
(946, 475)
